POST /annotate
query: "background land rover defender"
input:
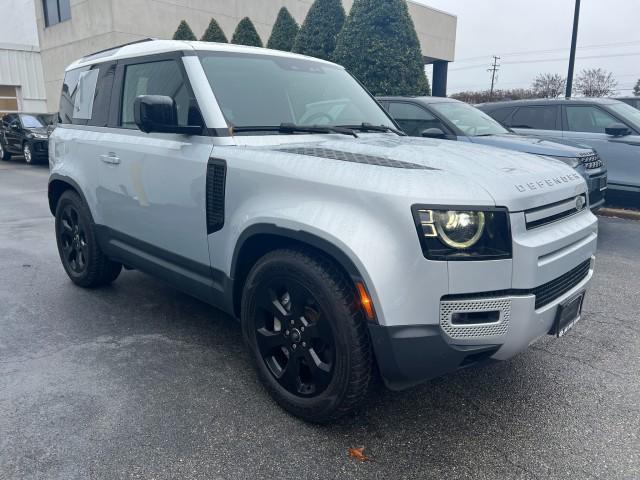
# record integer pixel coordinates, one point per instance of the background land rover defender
(274, 187)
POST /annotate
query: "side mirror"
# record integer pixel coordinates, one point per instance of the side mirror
(158, 113)
(617, 130)
(15, 127)
(433, 133)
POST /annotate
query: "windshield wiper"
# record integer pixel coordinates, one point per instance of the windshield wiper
(368, 127)
(293, 128)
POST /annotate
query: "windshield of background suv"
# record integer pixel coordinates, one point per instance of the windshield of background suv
(36, 121)
(470, 120)
(259, 90)
(627, 112)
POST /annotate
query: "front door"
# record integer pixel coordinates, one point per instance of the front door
(152, 186)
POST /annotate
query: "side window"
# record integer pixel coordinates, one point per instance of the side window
(588, 119)
(537, 118)
(83, 101)
(155, 78)
(69, 92)
(501, 114)
(86, 92)
(413, 119)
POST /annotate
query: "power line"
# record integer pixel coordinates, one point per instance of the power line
(543, 60)
(555, 50)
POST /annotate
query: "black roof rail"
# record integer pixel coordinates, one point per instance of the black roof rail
(148, 39)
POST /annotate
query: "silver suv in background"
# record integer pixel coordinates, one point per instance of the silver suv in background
(274, 187)
(611, 127)
(446, 118)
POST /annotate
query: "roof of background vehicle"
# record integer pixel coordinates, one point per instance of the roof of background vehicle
(425, 100)
(629, 97)
(152, 46)
(548, 101)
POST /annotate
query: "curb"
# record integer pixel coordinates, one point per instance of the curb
(619, 213)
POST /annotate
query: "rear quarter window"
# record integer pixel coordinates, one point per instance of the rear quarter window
(86, 93)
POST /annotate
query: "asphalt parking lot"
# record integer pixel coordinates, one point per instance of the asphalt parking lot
(138, 380)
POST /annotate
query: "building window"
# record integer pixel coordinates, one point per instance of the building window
(56, 11)
(8, 99)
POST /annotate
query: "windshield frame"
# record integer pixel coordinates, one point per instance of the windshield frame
(432, 107)
(213, 53)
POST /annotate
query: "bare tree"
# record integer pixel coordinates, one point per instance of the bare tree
(596, 82)
(549, 85)
(485, 96)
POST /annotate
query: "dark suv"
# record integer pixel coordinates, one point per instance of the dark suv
(611, 127)
(26, 134)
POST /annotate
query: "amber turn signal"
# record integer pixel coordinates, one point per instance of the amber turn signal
(365, 301)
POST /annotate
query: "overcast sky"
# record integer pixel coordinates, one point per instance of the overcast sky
(534, 33)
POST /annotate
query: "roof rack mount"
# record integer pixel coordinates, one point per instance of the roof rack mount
(142, 40)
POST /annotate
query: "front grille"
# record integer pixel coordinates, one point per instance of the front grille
(538, 217)
(591, 160)
(456, 331)
(545, 294)
(548, 292)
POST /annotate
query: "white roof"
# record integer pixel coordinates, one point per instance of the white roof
(152, 47)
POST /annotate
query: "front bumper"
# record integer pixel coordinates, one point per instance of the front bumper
(408, 355)
(39, 148)
(597, 186)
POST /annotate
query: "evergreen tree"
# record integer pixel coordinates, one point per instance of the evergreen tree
(636, 89)
(214, 33)
(317, 36)
(184, 32)
(380, 46)
(246, 34)
(284, 32)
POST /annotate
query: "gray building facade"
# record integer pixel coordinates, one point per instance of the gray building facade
(70, 29)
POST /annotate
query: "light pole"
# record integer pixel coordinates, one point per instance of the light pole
(572, 55)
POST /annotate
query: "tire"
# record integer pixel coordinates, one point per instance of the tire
(27, 154)
(320, 374)
(4, 155)
(78, 247)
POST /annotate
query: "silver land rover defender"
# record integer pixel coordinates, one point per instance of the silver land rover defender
(274, 187)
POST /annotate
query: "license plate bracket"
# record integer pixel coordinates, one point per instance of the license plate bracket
(568, 314)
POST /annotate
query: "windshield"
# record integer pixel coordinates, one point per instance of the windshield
(36, 121)
(630, 114)
(260, 90)
(470, 120)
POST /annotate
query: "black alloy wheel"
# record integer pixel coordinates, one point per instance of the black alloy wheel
(27, 153)
(307, 334)
(73, 239)
(295, 341)
(81, 256)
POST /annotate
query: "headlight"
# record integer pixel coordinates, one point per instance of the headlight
(469, 234)
(41, 136)
(571, 161)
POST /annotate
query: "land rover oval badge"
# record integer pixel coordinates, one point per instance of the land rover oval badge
(580, 201)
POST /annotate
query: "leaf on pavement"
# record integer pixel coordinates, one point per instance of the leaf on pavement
(358, 454)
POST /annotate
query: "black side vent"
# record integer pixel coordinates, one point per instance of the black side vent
(353, 157)
(216, 181)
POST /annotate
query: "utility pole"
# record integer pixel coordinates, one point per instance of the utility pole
(494, 70)
(572, 55)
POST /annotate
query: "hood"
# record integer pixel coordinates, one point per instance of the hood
(533, 145)
(40, 130)
(513, 179)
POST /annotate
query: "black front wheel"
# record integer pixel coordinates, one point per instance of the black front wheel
(27, 153)
(79, 251)
(4, 155)
(307, 335)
